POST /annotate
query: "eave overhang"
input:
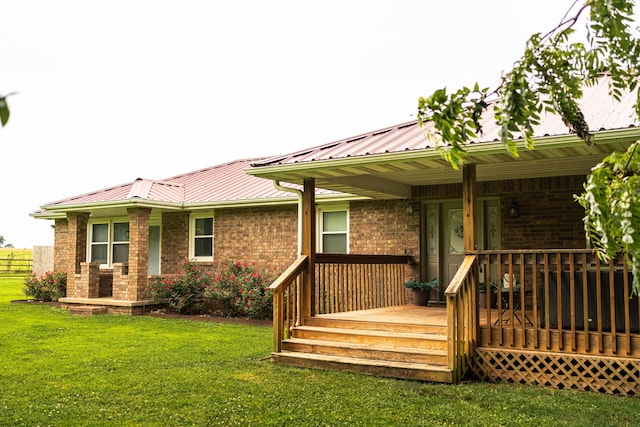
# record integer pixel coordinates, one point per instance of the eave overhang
(119, 207)
(388, 175)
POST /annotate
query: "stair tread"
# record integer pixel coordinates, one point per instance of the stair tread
(365, 346)
(364, 362)
(375, 323)
(374, 333)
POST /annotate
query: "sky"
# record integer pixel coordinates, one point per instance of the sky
(111, 91)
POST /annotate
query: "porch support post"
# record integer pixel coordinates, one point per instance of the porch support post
(138, 253)
(469, 206)
(308, 245)
(469, 194)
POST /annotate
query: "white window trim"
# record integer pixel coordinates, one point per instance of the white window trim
(344, 207)
(110, 240)
(192, 236)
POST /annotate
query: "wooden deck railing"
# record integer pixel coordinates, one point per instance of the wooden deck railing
(560, 300)
(287, 291)
(343, 283)
(462, 317)
(358, 282)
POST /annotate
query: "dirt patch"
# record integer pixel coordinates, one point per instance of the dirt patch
(209, 318)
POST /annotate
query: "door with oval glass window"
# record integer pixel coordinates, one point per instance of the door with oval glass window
(444, 237)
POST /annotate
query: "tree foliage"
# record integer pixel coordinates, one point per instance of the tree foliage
(4, 110)
(549, 78)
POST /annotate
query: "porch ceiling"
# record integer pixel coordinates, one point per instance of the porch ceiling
(392, 175)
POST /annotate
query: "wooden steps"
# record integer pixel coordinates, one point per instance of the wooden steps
(398, 350)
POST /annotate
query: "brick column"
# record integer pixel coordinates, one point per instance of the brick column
(76, 247)
(138, 253)
(60, 245)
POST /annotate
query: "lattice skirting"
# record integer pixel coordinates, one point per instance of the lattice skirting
(596, 373)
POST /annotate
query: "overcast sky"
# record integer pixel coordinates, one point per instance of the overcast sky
(114, 90)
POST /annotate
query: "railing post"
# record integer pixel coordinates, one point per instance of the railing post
(278, 320)
(308, 246)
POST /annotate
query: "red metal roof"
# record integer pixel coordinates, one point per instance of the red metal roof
(222, 183)
(600, 110)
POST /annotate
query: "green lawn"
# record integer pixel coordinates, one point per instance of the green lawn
(58, 369)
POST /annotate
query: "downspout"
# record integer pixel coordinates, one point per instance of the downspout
(298, 194)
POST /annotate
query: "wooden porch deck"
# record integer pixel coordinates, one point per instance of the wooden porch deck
(407, 314)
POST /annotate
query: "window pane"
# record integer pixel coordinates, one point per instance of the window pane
(334, 221)
(121, 232)
(334, 243)
(203, 246)
(204, 226)
(99, 253)
(121, 252)
(100, 233)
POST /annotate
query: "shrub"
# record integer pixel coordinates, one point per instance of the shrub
(240, 290)
(50, 287)
(182, 293)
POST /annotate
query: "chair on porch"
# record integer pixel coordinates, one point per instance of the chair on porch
(509, 285)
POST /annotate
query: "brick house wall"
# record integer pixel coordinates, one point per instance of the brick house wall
(175, 241)
(549, 217)
(384, 227)
(265, 236)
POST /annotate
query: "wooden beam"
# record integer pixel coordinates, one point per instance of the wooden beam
(469, 194)
(308, 245)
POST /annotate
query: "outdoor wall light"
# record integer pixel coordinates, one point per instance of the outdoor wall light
(514, 210)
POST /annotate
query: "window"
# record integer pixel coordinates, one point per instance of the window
(334, 234)
(109, 242)
(201, 244)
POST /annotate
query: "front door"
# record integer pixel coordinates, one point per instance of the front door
(452, 240)
(443, 237)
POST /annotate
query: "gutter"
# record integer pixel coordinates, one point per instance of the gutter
(611, 136)
(298, 194)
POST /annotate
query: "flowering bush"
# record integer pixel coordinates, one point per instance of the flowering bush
(184, 292)
(240, 290)
(50, 287)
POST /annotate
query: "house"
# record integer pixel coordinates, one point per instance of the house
(350, 221)
(111, 241)
(563, 318)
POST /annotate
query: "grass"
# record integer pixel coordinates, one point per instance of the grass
(59, 369)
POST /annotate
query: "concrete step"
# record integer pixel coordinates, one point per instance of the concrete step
(87, 310)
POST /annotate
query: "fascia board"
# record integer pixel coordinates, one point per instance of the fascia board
(141, 203)
(541, 143)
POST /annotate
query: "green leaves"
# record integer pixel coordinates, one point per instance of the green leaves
(548, 78)
(4, 110)
(456, 118)
(612, 208)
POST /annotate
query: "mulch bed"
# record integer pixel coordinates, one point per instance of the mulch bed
(167, 315)
(209, 318)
